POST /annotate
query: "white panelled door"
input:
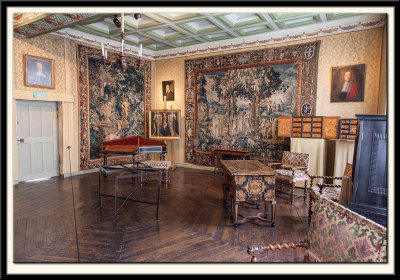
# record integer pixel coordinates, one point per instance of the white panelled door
(37, 138)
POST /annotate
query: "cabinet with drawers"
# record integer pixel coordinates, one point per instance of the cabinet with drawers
(309, 127)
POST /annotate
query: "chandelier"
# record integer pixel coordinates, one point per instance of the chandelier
(107, 61)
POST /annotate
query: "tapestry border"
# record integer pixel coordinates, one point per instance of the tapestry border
(306, 57)
(83, 52)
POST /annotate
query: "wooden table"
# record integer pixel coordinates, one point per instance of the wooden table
(228, 153)
(249, 181)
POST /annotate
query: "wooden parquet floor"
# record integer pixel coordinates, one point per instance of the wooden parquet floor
(193, 225)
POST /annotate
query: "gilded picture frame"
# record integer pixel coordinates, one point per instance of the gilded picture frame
(168, 89)
(38, 71)
(164, 124)
(347, 83)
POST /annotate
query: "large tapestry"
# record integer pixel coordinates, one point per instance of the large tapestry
(235, 100)
(113, 104)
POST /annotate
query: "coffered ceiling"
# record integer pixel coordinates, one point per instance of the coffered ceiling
(170, 34)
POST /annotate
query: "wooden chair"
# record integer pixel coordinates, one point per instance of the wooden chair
(292, 169)
(336, 235)
(333, 191)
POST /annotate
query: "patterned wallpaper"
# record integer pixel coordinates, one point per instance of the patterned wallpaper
(363, 47)
(335, 50)
(51, 47)
(63, 52)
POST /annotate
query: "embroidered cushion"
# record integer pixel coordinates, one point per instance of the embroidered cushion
(141, 157)
(287, 174)
(331, 193)
(165, 164)
(295, 159)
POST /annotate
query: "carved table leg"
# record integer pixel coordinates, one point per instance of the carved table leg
(273, 212)
(266, 214)
(215, 164)
(235, 224)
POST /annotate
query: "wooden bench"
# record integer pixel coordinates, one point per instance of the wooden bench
(165, 165)
(336, 235)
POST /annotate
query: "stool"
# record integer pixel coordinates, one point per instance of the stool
(165, 165)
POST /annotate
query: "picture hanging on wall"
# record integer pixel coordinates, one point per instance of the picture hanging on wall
(234, 100)
(164, 124)
(347, 83)
(168, 88)
(39, 72)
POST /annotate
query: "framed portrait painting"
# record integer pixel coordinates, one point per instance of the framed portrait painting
(347, 83)
(38, 71)
(164, 124)
(168, 88)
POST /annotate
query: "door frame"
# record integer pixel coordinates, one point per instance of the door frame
(58, 142)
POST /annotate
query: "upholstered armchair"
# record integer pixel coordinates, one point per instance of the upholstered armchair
(292, 169)
(336, 235)
(332, 191)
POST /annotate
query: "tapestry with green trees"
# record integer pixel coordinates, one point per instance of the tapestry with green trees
(112, 104)
(235, 100)
(116, 109)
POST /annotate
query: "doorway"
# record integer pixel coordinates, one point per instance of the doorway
(37, 139)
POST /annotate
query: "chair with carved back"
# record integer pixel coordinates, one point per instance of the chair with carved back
(293, 169)
(332, 191)
(336, 235)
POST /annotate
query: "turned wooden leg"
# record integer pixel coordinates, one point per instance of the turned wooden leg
(305, 190)
(254, 259)
(166, 177)
(266, 209)
(309, 208)
(235, 224)
(100, 186)
(273, 212)
(292, 193)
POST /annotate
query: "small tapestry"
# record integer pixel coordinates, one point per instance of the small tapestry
(113, 104)
(235, 100)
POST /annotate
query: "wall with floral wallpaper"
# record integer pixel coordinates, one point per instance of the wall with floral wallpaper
(63, 52)
(358, 47)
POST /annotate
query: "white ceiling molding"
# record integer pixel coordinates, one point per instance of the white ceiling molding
(324, 28)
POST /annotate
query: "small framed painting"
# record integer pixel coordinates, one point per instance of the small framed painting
(347, 83)
(38, 72)
(168, 90)
(165, 124)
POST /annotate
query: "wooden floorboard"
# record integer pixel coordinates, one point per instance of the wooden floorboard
(193, 225)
